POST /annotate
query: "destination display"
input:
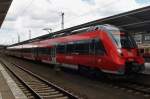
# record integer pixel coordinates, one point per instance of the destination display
(146, 38)
(138, 38)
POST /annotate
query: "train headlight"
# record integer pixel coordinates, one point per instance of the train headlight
(120, 52)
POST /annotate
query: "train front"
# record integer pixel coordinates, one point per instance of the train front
(126, 50)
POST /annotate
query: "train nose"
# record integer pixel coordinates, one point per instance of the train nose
(129, 53)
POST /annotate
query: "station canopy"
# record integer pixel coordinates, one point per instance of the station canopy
(4, 6)
(134, 21)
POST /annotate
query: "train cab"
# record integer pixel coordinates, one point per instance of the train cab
(126, 51)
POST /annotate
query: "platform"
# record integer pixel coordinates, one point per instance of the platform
(8, 87)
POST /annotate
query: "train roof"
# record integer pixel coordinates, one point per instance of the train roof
(134, 21)
(4, 6)
(55, 41)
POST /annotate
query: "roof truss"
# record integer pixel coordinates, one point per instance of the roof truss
(4, 6)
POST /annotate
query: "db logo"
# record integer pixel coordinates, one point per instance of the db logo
(99, 60)
(130, 54)
(69, 57)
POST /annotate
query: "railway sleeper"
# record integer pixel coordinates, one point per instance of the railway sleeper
(65, 97)
(51, 92)
(26, 91)
(52, 96)
(30, 97)
(22, 87)
(48, 93)
(28, 94)
(39, 86)
(44, 89)
(34, 82)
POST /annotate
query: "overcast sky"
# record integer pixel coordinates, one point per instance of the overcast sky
(34, 15)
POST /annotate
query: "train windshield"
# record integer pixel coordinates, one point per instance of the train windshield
(121, 38)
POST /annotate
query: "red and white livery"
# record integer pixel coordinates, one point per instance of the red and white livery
(104, 47)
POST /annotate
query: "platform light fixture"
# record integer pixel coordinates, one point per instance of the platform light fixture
(49, 30)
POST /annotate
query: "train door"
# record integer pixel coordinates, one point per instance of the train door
(85, 50)
(53, 55)
(35, 53)
(100, 53)
(32, 52)
(70, 54)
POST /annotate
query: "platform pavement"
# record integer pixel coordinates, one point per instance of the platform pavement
(8, 87)
(147, 68)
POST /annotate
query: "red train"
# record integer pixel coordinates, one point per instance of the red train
(104, 47)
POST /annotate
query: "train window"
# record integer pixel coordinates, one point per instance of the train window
(44, 51)
(99, 47)
(61, 48)
(24, 50)
(92, 47)
(71, 47)
(27, 50)
(35, 51)
(82, 47)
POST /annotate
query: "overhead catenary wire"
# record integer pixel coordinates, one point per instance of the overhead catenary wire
(25, 8)
(80, 16)
(102, 7)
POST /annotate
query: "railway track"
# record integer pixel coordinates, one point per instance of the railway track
(139, 84)
(40, 88)
(131, 85)
(134, 86)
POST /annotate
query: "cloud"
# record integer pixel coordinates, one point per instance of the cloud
(34, 15)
